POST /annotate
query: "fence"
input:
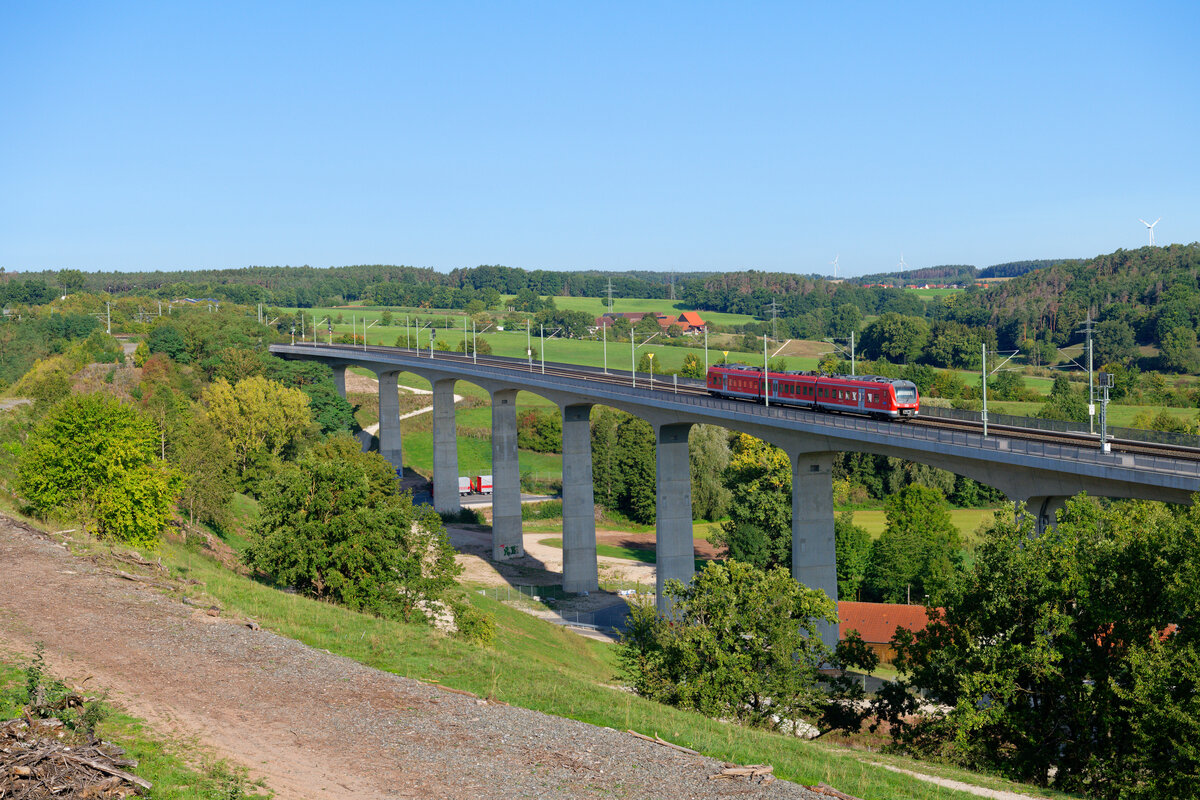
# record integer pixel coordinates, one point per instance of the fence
(1062, 426)
(540, 601)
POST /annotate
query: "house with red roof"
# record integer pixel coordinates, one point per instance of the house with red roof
(689, 321)
(876, 623)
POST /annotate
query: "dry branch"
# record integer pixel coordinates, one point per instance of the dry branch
(826, 789)
(663, 742)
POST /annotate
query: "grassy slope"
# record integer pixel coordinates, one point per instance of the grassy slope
(546, 668)
(967, 520)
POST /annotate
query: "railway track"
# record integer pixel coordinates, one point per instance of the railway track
(621, 378)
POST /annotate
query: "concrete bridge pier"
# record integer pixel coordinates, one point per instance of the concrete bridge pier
(339, 378)
(673, 476)
(1044, 509)
(390, 446)
(445, 449)
(506, 478)
(814, 554)
(579, 510)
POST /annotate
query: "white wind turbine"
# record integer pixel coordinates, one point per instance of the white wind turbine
(902, 265)
(835, 265)
(1150, 227)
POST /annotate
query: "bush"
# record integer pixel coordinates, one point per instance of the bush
(741, 643)
(464, 516)
(334, 528)
(547, 509)
(96, 457)
(475, 626)
(538, 431)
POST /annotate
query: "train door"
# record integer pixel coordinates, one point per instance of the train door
(862, 396)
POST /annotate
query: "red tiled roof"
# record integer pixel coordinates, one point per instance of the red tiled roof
(876, 622)
(691, 318)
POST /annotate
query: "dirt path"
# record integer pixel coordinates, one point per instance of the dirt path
(314, 725)
(361, 384)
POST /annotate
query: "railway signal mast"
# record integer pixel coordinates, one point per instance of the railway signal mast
(1087, 328)
(1106, 382)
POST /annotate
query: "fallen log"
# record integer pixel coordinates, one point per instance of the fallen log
(664, 742)
(105, 768)
(826, 789)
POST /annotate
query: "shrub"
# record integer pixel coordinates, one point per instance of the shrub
(97, 457)
(475, 626)
(334, 528)
(547, 509)
(464, 516)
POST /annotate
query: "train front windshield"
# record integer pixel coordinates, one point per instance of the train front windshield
(906, 394)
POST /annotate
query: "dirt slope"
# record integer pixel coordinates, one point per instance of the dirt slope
(312, 724)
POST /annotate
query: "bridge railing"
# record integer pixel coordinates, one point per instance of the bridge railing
(662, 394)
(943, 436)
(1063, 426)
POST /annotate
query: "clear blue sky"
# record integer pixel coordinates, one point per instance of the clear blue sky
(567, 135)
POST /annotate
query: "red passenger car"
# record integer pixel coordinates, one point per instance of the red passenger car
(868, 395)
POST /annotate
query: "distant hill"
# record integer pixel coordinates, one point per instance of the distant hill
(946, 273)
(1014, 268)
(1148, 296)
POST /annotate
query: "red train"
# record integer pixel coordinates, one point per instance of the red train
(869, 395)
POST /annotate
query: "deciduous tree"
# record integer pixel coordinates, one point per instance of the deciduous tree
(1068, 659)
(97, 457)
(257, 415)
(333, 527)
(740, 644)
(759, 529)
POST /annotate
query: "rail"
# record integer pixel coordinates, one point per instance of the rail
(804, 420)
(1063, 426)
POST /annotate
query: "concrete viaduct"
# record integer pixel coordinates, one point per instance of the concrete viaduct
(1041, 474)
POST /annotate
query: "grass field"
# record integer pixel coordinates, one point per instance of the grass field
(932, 294)
(967, 520)
(634, 305)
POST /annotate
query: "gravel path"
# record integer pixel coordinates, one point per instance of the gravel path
(312, 724)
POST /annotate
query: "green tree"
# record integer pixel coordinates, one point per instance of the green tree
(71, 280)
(140, 354)
(895, 337)
(919, 551)
(385, 319)
(481, 344)
(539, 431)
(167, 339)
(1115, 342)
(853, 546)
(1067, 659)
(740, 644)
(333, 527)
(759, 480)
(205, 458)
(691, 368)
(1179, 351)
(606, 470)
(708, 456)
(328, 408)
(1064, 403)
(635, 459)
(96, 457)
(257, 416)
